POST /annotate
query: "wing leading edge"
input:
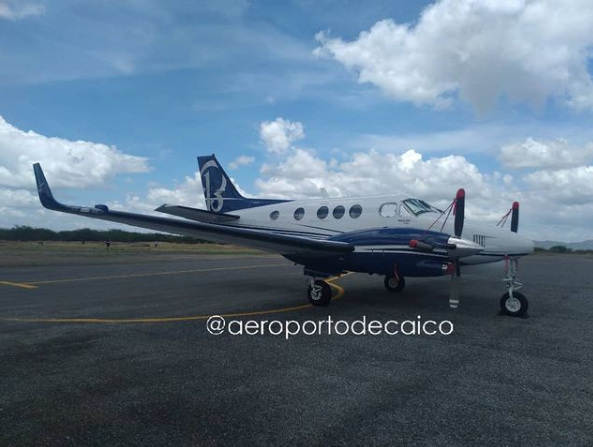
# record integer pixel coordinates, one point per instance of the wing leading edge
(277, 243)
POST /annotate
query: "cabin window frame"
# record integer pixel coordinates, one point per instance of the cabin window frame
(339, 216)
(324, 210)
(299, 213)
(358, 207)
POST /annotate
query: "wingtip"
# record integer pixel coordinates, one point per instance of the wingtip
(39, 176)
(45, 195)
(38, 171)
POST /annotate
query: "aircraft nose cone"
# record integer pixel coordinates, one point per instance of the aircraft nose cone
(521, 246)
(529, 246)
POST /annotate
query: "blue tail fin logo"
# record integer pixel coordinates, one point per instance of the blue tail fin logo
(218, 188)
(214, 198)
(220, 193)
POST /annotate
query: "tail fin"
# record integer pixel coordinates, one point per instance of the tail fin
(219, 191)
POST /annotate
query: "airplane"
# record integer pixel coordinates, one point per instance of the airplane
(392, 236)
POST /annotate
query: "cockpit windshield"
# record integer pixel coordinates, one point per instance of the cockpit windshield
(417, 207)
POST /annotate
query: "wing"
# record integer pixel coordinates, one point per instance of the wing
(196, 214)
(261, 240)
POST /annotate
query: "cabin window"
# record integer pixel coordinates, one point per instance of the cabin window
(274, 215)
(388, 209)
(299, 213)
(322, 212)
(355, 211)
(339, 212)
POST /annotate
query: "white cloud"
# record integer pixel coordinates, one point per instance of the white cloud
(72, 164)
(188, 193)
(16, 9)
(241, 160)
(480, 50)
(75, 164)
(566, 186)
(279, 135)
(20, 198)
(532, 153)
(302, 174)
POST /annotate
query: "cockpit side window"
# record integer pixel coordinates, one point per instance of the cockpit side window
(417, 207)
(388, 209)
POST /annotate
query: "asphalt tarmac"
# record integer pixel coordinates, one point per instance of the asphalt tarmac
(119, 354)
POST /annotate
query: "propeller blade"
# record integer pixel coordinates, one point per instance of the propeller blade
(515, 217)
(454, 290)
(459, 212)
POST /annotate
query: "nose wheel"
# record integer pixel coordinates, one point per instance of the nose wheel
(513, 303)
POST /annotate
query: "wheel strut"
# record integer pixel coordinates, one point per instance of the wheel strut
(513, 303)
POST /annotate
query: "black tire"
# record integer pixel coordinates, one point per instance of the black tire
(515, 307)
(392, 284)
(321, 295)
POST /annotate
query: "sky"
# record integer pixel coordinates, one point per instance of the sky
(117, 98)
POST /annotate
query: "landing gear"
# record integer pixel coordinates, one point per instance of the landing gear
(513, 303)
(394, 284)
(319, 292)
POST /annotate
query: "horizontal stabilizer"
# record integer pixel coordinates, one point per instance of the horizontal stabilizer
(196, 214)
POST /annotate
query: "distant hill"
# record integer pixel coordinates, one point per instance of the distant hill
(585, 245)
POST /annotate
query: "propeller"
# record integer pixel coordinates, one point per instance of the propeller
(459, 209)
(515, 217)
(456, 247)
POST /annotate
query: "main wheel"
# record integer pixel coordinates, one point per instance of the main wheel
(515, 306)
(320, 294)
(392, 284)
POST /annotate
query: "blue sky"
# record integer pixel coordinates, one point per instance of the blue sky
(168, 81)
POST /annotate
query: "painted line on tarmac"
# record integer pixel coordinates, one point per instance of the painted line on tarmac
(339, 294)
(22, 285)
(34, 284)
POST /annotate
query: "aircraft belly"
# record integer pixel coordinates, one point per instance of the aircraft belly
(382, 263)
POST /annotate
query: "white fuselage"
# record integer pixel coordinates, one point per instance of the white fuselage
(377, 212)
